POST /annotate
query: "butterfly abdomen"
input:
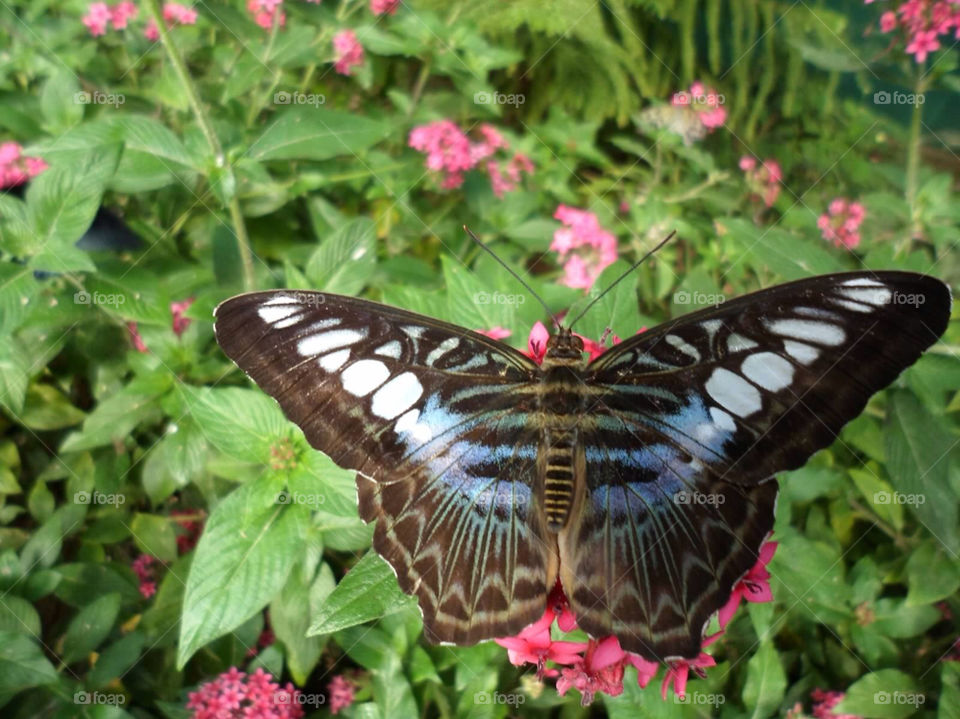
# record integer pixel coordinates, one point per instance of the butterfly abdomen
(560, 457)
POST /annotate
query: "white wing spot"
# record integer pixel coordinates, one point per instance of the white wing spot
(711, 327)
(364, 376)
(335, 360)
(876, 296)
(822, 333)
(802, 353)
(739, 343)
(855, 306)
(409, 423)
(768, 370)
(723, 420)
(862, 282)
(326, 341)
(734, 392)
(390, 349)
(397, 395)
(413, 331)
(441, 349)
(277, 309)
(682, 345)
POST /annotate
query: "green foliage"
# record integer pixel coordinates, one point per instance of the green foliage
(109, 453)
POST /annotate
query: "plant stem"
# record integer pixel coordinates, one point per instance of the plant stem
(206, 127)
(913, 154)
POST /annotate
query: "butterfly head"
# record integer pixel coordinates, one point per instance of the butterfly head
(564, 348)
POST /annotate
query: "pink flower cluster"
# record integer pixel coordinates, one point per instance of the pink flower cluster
(192, 528)
(584, 247)
(451, 153)
(173, 14)
(348, 50)
(235, 694)
(764, 179)
(15, 168)
(143, 567)
(180, 322)
(384, 7)
(264, 11)
(825, 702)
(840, 224)
(706, 101)
(340, 694)
(922, 22)
(99, 15)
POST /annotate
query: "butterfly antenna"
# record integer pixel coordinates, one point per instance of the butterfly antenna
(515, 275)
(621, 277)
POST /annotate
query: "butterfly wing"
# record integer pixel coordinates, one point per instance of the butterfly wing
(692, 421)
(436, 421)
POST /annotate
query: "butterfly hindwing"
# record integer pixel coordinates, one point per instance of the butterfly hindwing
(434, 420)
(691, 422)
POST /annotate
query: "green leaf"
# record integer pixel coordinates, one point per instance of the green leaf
(307, 133)
(766, 682)
(886, 694)
(18, 615)
(13, 378)
(83, 582)
(346, 260)
(115, 660)
(244, 557)
(367, 592)
(931, 575)
(950, 691)
(47, 408)
(618, 310)
(22, 664)
(61, 101)
(115, 417)
(242, 423)
(290, 618)
(918, 445)
(154, 535)
(44, 545)
(90, 627)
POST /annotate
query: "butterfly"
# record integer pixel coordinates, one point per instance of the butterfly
(644, 480)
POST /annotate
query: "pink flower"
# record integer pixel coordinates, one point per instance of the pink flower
(496, 333)
(447, 148)
(192, 528)
(537, 342)
(15, 167)
(706, 101)
(122, 13)
(753, 587)
(826, 701)
(340, 694)
(349, 52)
(264, 11)
(600, 670)
(384, 7)
(888, 21)
(234, 695)
(763, 181)
(96, 19)
(177, 309)
(679, 671)
(150, 31)
(583, 245)
(142, 567)
(923, 43)
(840, 224)
(175, 13)
(135, 338)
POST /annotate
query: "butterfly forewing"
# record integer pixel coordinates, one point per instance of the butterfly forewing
(436, 420)
(692, 420)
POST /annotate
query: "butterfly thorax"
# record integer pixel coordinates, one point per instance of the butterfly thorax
(561, 403)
